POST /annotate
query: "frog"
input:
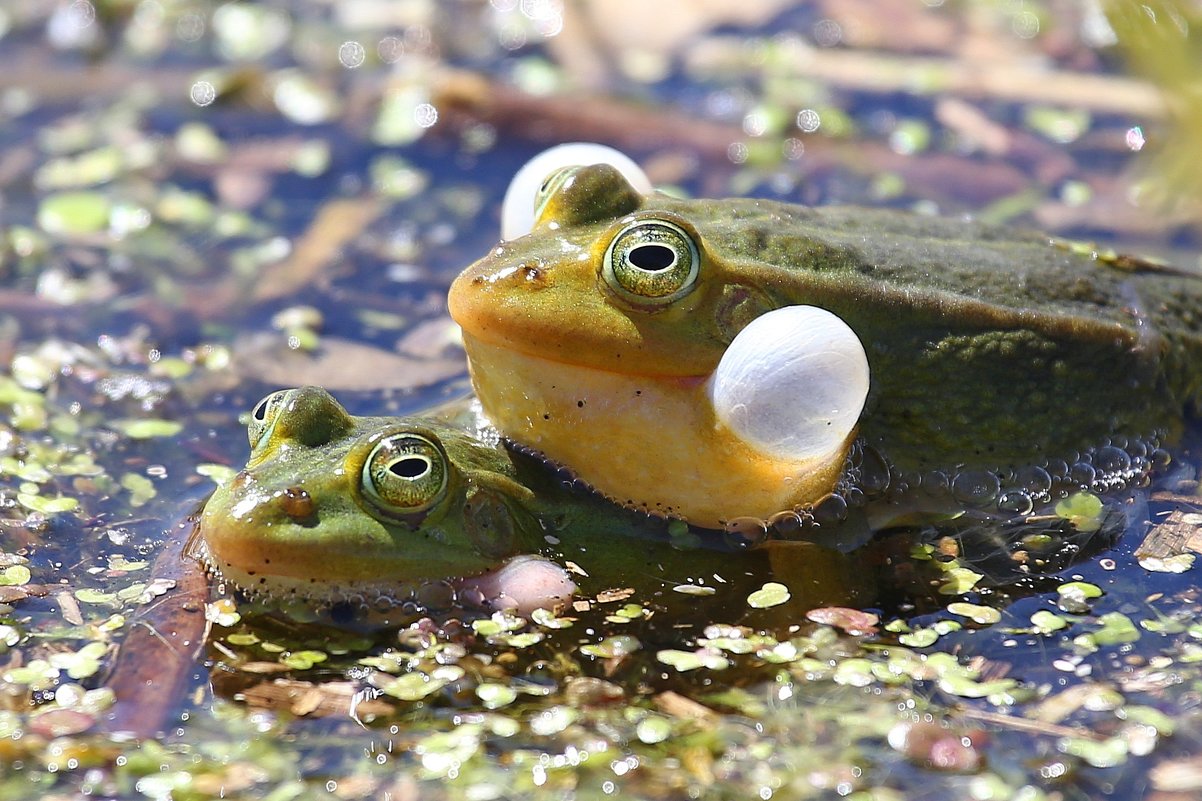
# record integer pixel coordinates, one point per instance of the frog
(1002, 366)
(377, 512)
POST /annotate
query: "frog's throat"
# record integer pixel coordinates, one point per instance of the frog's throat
(662, 438)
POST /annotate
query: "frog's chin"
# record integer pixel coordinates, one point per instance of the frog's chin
(653, 443)
(521, 584)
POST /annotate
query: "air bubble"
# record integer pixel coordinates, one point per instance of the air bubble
(1082, 474)
(874, 472)
(975, 487)
(1016, 502)
(830, 510)
(1034, 480)
(1112, 461)
(935, 482)
(1057, 468)
(436, 595)
(786, 523)
(1161, 459)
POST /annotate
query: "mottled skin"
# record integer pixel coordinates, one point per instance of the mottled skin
(987, 347)
(299, 521)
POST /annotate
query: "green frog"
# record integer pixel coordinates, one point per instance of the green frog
(990, 364)
(380, 511)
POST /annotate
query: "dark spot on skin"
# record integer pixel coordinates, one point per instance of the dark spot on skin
(579, 404)
(546, 417)
(638, 392)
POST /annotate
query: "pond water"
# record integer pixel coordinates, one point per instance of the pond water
(200, 204)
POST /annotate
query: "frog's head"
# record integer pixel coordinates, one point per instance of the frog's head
(334, 507)
(603, 338)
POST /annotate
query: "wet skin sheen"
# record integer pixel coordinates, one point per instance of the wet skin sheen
(988, 348)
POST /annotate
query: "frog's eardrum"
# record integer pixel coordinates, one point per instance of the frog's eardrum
(792, 383)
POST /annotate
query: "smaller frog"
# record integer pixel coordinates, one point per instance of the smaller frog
(334, 508)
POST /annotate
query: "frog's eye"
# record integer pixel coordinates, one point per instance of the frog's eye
(539, 179)
(651, 263)
(263, 416)
(405, 473)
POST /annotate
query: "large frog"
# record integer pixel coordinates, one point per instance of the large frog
(336, 508)
(994, 355)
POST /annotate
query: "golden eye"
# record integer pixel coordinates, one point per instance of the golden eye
(263, 417)
(651, 262)
(405, 473)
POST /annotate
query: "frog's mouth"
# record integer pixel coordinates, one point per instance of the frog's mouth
(523, 583)
(648, 442)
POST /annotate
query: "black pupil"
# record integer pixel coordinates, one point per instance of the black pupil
(260, 411)
(409, 467)
(652, 258)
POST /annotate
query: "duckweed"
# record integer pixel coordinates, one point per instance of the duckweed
(771, 594)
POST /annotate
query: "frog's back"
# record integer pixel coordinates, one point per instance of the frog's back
(993, 324)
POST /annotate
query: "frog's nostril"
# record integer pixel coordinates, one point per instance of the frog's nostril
(297, 504)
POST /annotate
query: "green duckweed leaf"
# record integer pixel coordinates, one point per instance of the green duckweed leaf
(653, 729)
(959, 580)
(771, 594)
(303, 660)
(1116, 629)
(47, 506)
(495, 696)
(71, 214)
(919, 638)
(15, 576)
(147, 428)
(612, 647)
(1104, 754)
(985, 615)
(1045, 622)
(684, 661)
(548, 619)
(1083, 509)
(220, 474)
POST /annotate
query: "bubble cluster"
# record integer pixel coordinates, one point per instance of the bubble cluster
(1113, 466)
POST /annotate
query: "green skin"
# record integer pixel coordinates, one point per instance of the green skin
(987, 347)
(299, 521)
